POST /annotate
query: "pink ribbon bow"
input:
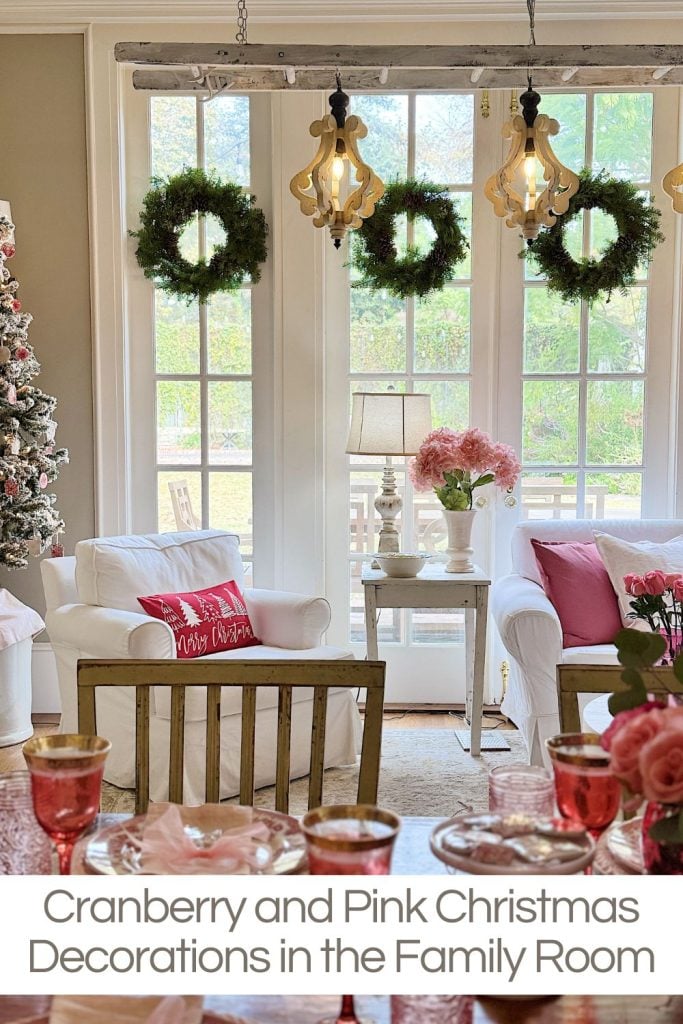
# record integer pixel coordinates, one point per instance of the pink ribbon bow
(240, 845)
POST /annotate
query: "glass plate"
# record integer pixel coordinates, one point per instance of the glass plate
(115, 849)
(470, 866)
(624, 843)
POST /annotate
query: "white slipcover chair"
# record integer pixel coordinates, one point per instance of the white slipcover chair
(530, 627)
(93, 612)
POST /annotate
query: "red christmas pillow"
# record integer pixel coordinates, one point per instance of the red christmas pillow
(205, 621)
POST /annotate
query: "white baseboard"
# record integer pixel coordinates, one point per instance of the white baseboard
(44, 681)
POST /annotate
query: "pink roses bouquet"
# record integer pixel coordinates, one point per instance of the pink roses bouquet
(645, 745)
(658, 600)
(454, 463)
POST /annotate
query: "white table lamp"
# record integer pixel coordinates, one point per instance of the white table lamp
(388, 423)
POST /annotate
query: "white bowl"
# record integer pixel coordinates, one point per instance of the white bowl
(400, 565)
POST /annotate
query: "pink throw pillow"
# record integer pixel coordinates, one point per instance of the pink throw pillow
(576, 582)
(204, 621)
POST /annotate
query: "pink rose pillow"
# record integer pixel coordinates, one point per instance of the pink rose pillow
(204, 621)
(576, 582)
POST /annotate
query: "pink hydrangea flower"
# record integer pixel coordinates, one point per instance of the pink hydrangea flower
(470, 451)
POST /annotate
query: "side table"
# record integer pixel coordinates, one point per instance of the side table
(436, 588)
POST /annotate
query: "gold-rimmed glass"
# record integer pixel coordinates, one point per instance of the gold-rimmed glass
(350, 839)
(585, 788)
(66, 780)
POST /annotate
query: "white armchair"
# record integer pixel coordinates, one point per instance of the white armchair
(92, 612)
(530, 628)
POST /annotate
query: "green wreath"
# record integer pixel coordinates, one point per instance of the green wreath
(588, 278)
(167, 209)
(374, 254)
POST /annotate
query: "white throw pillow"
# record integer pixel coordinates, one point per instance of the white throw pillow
(622, 556)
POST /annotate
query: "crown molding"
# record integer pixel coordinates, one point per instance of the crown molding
(46, 12)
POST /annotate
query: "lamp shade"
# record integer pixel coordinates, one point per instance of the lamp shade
(388, 423)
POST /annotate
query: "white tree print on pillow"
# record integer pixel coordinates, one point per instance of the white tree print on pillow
(171, 617)
(191, 617)
(227, 611)
(208, 609)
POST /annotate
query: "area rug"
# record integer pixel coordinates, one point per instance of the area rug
(423, 772)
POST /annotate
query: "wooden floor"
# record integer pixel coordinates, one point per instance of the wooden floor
(11, 758)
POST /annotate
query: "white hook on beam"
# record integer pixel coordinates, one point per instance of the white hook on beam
(659, 73)
(290, 75)
(383, 76)
(476, 75)
(568, 74)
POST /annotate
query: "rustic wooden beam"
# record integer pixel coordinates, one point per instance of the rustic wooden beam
(268, 55)
(399, 80)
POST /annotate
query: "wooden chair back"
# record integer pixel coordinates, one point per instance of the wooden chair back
(287, 676)
(185, 519)
(575, 679)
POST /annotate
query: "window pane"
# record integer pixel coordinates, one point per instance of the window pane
(378, 332)
(614, 422)
(429, 528)
(385, 147)
(613, 495)
(617, 333)
(178, 422)
(166, 519)
(442, 332)
(229, 332)
(569, 145)
(389, 626)
(424, 233)
(552, 331)
(227, 137)
(173, 134)
(450, 402)
(230, 506)
(364, 520)
(230, 423)
(443, 138)
(550, 422)
(623, 135)
(550, 495)
(442, 626)
(176, 334)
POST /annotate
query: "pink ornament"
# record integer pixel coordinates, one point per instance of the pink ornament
(11, 487)
(22, 352)
(57, 550)
(16, 305)
(11, 395)
(42, 480)
(8, 250)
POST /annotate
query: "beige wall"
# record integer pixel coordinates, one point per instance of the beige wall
(43, 175)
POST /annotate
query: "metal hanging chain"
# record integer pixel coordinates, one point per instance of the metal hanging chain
(531, 8)
(242, 15)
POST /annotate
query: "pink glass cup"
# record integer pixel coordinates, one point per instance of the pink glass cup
(350, 839)
(521, 789)
(432, 1009)
(66, 780)
(585, 788)
(24, 847)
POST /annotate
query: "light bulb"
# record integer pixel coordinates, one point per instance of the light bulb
(338, 168)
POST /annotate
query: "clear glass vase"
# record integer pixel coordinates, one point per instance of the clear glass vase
(24, 847)
(660, 858)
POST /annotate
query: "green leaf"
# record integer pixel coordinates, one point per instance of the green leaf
(667, 830)
(487, 478)
(678, 667)
(625, 700)
(637, 649)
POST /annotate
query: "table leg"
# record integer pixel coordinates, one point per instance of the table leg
(371, 622)
(469, 662)
(479, 669)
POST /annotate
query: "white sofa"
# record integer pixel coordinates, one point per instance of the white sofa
(530, 628)
(93, 612)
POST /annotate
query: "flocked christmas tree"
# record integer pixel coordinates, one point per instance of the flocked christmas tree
(29, 460)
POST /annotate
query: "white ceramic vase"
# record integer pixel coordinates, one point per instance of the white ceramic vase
(459, 550)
